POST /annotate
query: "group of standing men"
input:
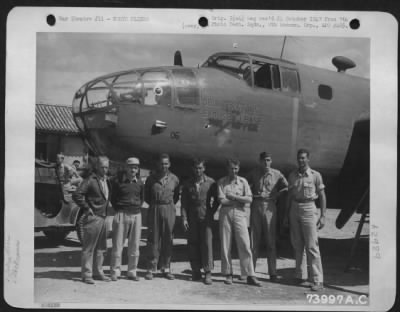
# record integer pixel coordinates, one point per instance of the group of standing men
(200, 198)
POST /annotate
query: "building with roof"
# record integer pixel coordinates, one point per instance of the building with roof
(56, 132)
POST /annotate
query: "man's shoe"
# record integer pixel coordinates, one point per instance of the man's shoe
(102, 278)
(114, 277)
(252, 280)
(302, 282)
(169, 276)
(88, 281)
(317, 287)
(149, 275)
(207, 278)
(273, 278)
(228, 280)
(134, 278)
(196, 275)
(241, 278)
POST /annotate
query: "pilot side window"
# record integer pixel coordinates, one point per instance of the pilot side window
(156, 88)
(267, 76)
(290, 81)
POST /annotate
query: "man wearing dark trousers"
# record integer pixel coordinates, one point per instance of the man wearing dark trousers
(92, 196)
(199, 202)
(161, 193)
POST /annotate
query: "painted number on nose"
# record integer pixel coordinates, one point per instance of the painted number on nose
(175, 135)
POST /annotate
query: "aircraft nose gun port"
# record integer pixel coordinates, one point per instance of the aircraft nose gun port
(158, 127)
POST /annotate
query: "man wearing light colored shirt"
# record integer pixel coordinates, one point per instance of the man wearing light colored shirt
(305, 186)
(266, 184)
(233, 193)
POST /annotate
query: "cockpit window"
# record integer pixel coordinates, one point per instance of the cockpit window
(231, 64)
(156, 88)
(290, 81)
(97, 96)
(266, 75)
(254, 71)
(127, 88)
(76, 103)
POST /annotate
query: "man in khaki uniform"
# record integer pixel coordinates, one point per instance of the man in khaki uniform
(305, 186)
(266, 184)
(233, 193)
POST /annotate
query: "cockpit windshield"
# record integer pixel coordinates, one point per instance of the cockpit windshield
(236, 65)
(151, 87)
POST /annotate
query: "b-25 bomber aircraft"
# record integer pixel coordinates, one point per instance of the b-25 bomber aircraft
(235, 104)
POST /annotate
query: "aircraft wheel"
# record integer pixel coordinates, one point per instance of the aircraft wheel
(56, 236)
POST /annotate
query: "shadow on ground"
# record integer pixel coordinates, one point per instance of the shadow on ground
(335, 258)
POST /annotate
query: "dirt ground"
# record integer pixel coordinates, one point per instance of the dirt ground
(57, 276)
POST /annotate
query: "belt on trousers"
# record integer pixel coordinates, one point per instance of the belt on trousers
(163, 202)
(264, 199)
(303, 201)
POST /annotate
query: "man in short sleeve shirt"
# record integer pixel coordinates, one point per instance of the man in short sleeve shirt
(233, 193)
(305, 186)
(266, 184)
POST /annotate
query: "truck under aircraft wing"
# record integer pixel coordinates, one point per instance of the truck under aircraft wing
(235, 104)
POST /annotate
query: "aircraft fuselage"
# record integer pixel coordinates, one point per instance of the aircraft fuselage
(217, 111)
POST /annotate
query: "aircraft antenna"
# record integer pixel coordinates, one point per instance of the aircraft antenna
(283, 46)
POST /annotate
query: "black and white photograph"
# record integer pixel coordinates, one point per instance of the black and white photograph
(223, 170)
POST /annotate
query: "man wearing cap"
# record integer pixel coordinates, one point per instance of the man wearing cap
(161, 193)
(233, 193)
(199, 202)
(305, 186)
(266, 184)
(93, 197)
(127, 199)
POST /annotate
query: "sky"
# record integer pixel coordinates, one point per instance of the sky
(66, 61)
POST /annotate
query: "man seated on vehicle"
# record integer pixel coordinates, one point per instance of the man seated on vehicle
(67, 175)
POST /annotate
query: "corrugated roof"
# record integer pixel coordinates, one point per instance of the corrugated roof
(55, 118)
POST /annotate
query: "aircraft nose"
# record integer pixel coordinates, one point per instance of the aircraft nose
(95, 113)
